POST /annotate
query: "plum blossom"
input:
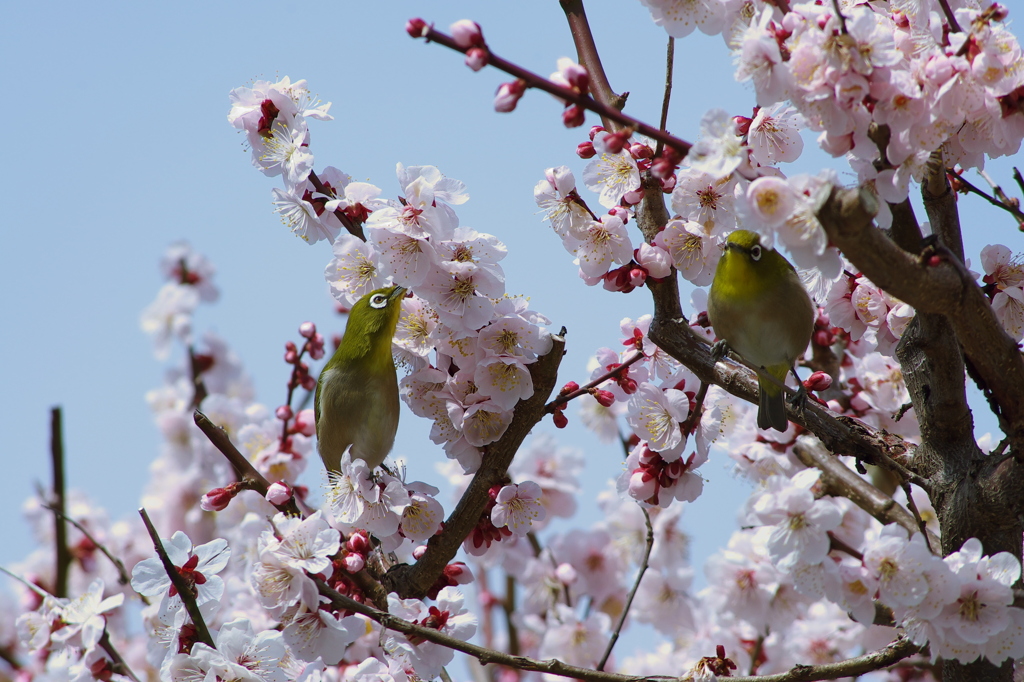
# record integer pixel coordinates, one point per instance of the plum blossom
(774, 135)
(656, 414)
(306, 544)
(518, 507)
(353, 272)
(556, 196)
(680, 18)
(449, 616)
(718, 151)
(694, 251)
(603, 243)
(704, 199)
(198, 566)
(611, 176)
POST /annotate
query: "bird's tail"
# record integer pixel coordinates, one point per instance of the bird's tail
(771, 409)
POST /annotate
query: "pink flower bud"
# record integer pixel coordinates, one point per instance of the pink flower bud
(604, 398)
(466, 33)
(417, 28)
(216, 500)
(633, 197)
(619, 212)
(834, 406)
(668, 184)
(642, 486)
(742, 124)
(560, 420)
(418, 553)
(476, 58)
(290, 347)
(576, 76)
(291, 357)
(613, 143)
(308, 382)
(573, 116)
(508, 96)
(305, 423)
(354, 562)
(307, 330)
(585, 150)
(566, 574)
(818, 381)
(458, 573)
(570, 387)
(594, 130)
(358, 543)
(662, 167)
(637, 276)
(279, 493)
(638, 150)
(284, 413)
(823, 338)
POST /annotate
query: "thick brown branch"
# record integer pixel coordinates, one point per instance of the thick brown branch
(932, 285)
(417, 579)
(841, 481)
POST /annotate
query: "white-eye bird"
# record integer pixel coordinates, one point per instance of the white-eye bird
(759, 307)
(356, 401)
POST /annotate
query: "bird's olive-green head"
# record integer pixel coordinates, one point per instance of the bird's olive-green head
(747, 265)
(371, 326)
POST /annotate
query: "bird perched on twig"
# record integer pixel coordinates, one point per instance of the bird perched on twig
(356, 401)
(759, 307)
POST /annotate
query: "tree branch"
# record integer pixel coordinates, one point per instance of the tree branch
(583, 101)
(933, 285)
(187, 598)
(416, 580)
(590, 59)
(60, 536)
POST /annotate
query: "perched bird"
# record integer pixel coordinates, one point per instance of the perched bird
(356, 400)
(758, 306)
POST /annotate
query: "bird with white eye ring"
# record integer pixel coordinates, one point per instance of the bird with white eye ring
(356, 403)
(760, 308)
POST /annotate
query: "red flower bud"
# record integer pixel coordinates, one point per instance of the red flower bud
(573, 116)
(585, 150)
(604, 398)
(561, 421)
(417, 28)
(818, 381)
(476, 58)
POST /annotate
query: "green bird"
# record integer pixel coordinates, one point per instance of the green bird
(759, 307)
(356, 401)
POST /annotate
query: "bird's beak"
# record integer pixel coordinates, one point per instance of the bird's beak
(397, 293)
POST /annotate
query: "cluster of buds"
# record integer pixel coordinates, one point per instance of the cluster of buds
(654, 475)
(454, 574)
(824, 333)
(486, 532)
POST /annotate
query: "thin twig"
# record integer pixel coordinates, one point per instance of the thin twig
(950, 17)
(120, 665)
(690, 425)
(620, 369)
(535, 81)
(183, 589)
(912, 505)
(842, 19)
(876, 660)
(632, 593)
(509, 607)
(670, 57)
(122, 572)
(840, 546)
(1012, 210)
(998, 191)
(1018, 179)
(60, 587)
(199, 391)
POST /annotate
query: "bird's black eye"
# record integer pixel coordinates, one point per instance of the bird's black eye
(378, 301)
(755, 252)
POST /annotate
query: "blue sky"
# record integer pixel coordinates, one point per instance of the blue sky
(119, 146)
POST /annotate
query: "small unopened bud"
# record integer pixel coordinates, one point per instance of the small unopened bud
(291, 357)
(642, 485)
(308, 382)
(573, 116)
(508, 96)
(307, 330)
(638, 150)
(417, 28)
(604, 398)
(632, 197)
(354, 562)
(305, 422)
(284, 413)
(279, 493)
(560, 420)
(818, 381)
(290, 347)
(668, 184)
(458, 573)
(742, 124)
(216, 500)
(637, 276)
(613, 143)
(358, 543)
(476, 58)
(570, 387)
(619, 212)
(466, 33)
(566, 574)
(594, 130)
(823, 338)
(418, 553)
(585, 150)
